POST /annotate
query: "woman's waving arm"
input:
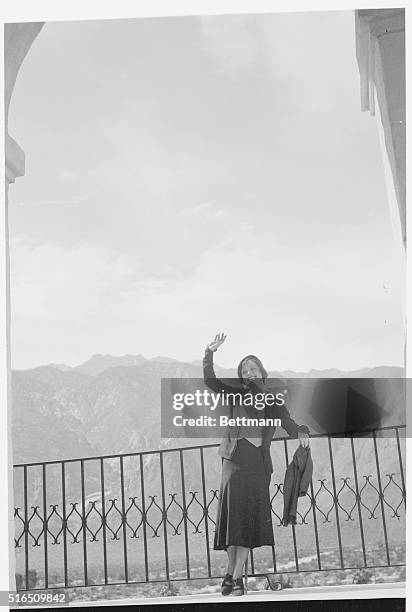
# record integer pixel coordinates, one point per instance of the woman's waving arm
(292, 428)
(209, 375)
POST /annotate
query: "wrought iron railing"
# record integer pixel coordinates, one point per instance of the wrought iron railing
(150, 516)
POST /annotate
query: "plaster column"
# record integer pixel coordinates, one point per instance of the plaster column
(18, 39)
(380, 50)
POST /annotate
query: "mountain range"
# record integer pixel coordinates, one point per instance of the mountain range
(98, 363)
(109, 404)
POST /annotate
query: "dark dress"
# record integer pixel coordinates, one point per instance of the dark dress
(244, 511)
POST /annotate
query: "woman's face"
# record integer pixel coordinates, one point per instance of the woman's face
(250, 370)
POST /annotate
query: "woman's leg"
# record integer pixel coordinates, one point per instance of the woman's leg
(231, 554)
(241, 556)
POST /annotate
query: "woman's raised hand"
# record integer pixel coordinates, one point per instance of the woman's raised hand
(219, 339)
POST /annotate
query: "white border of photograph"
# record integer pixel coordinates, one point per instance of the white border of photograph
(50, 10)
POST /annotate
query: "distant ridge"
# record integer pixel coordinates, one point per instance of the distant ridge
(60, 366)
(98, 363)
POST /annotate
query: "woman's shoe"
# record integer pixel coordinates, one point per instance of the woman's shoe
(227, 585)
(238, 588)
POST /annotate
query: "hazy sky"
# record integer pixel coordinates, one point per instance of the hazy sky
(192, 175)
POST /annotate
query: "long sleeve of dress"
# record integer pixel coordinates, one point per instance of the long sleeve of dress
(289, 425)
(209, 376)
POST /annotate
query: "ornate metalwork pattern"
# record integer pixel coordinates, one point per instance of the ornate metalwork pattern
(354, 499)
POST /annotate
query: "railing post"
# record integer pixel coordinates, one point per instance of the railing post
(400, 463)
(103, 520)
(315, 524)
(335, 501)
(26, 529)
(66, 581)
(182, 477)
(126, 572)
(146, 562)
(355, 472)
(164, 515)
(205, 512)
(45, 526)
(84, 523)
(381, 498)
(295, 548)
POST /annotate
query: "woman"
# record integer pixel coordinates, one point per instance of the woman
(244, 519)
